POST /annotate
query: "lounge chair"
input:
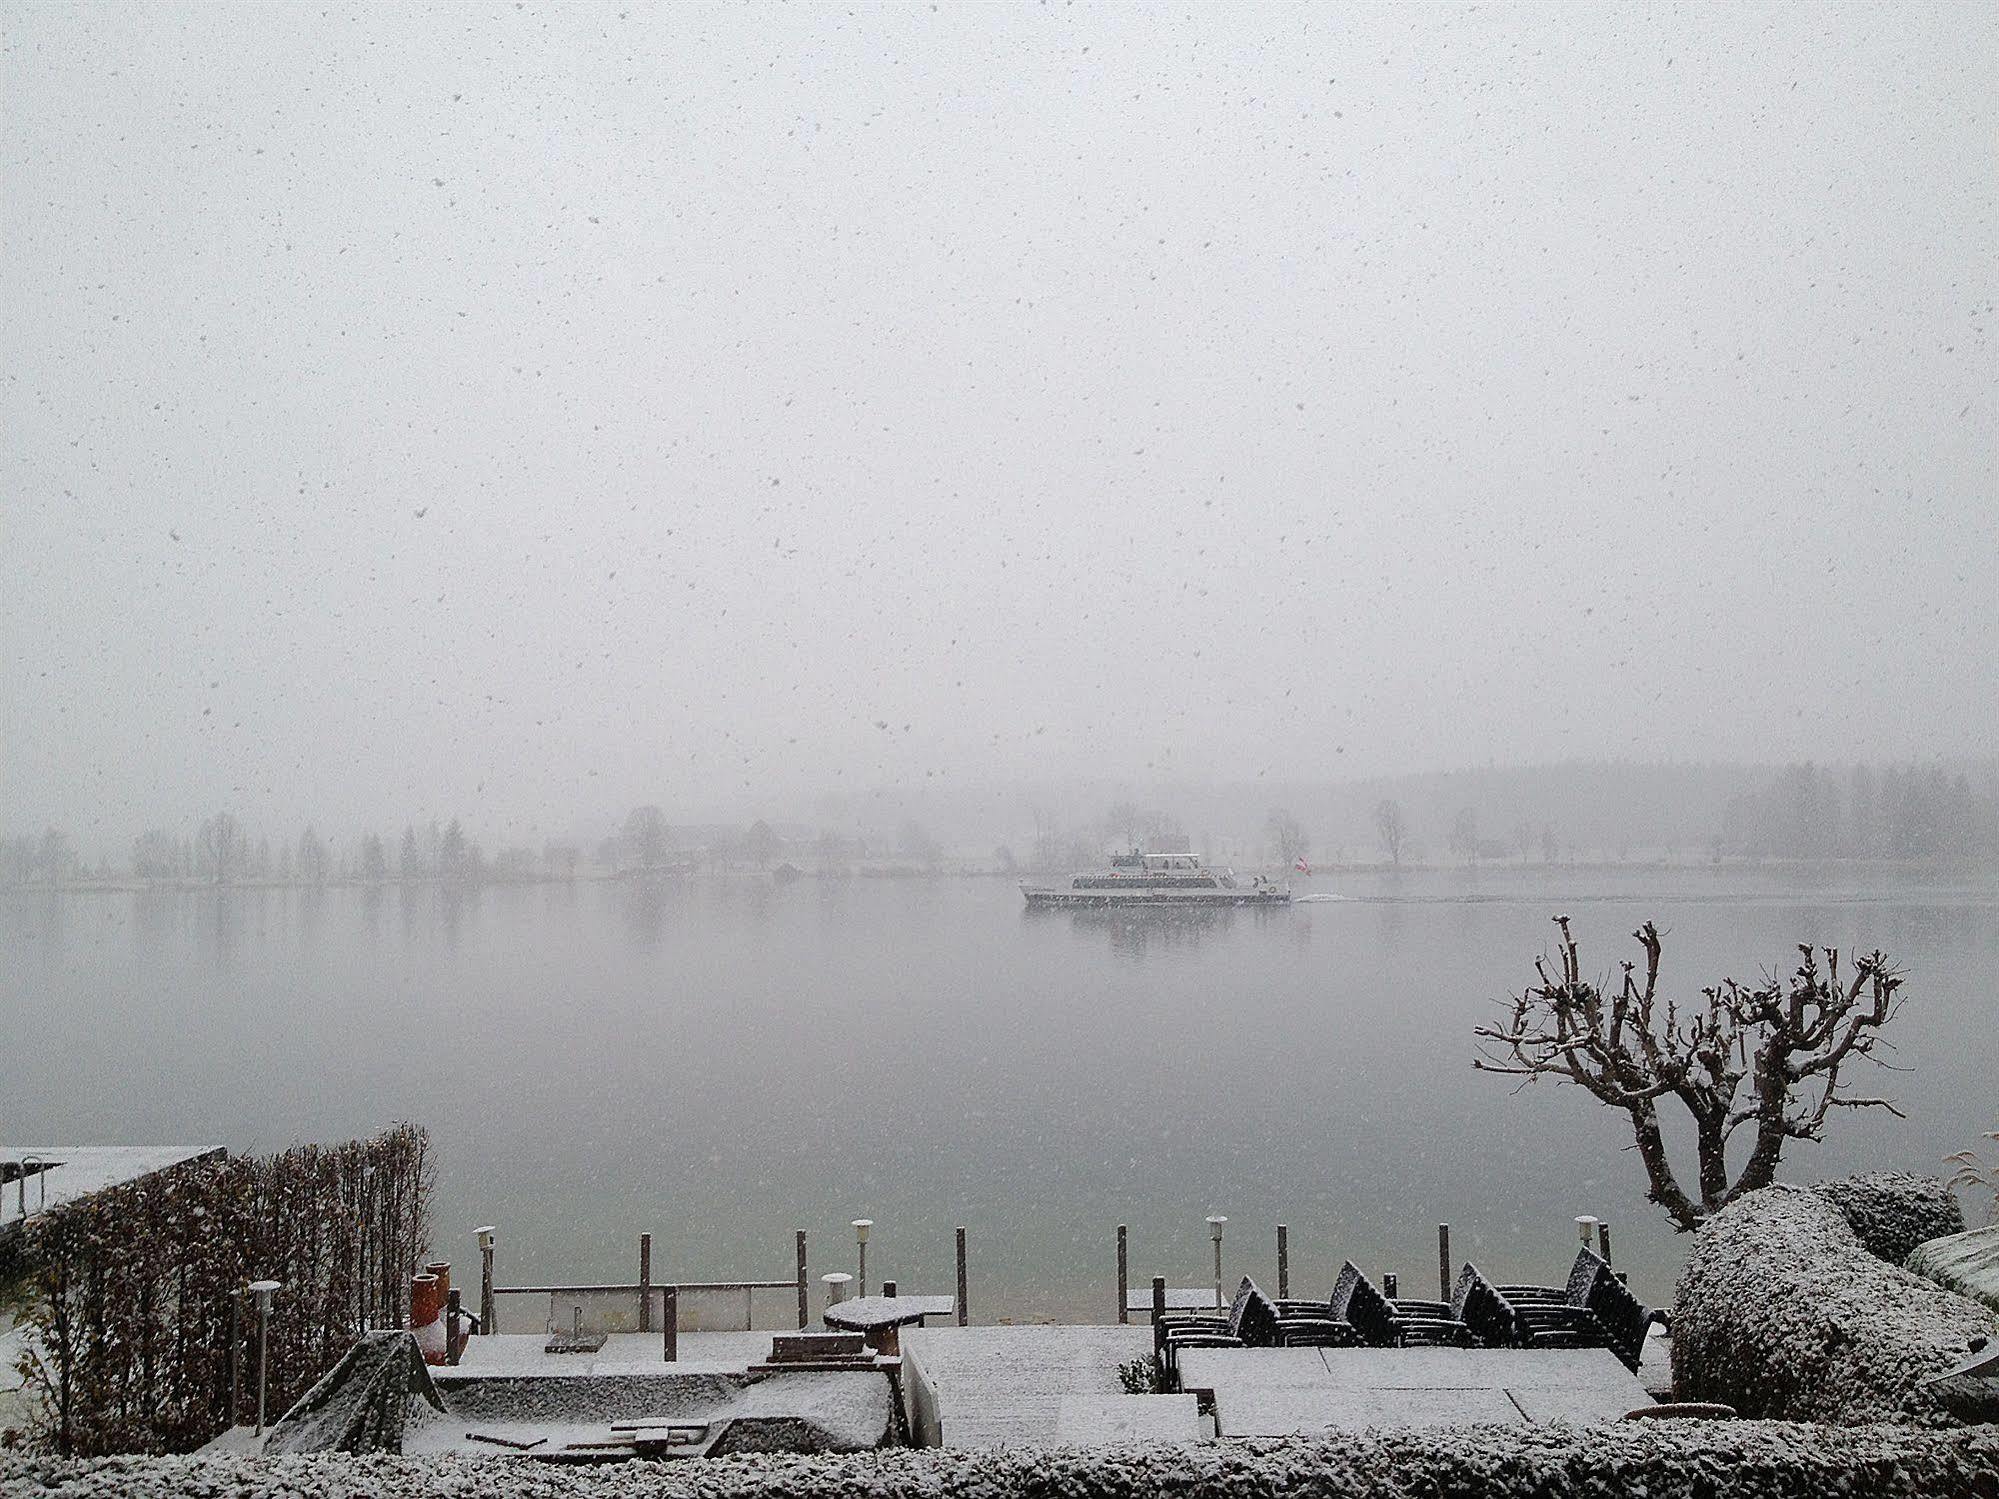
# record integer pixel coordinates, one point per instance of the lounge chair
(1385, 1323)
(1253, 1320)
(1593, 1310)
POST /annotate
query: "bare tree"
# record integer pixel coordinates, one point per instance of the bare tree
(57, 856)
(219, 842)
(1290, 838)
(761, 844)
(1393, 828)
(646, 836)
(1464, 835)
(1125, 823)
(315, 861)
(913, 841)
(1786, 1040)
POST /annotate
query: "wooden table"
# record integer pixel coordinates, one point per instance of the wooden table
(879, 1318)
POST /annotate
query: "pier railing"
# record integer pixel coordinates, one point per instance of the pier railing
(640, 1305)
(634, 1307)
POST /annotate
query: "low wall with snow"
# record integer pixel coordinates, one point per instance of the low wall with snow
(1788, 1310)
(1660, 1459)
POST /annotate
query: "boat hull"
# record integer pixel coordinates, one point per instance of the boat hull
(1155, 900)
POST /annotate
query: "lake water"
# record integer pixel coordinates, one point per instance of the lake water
(721, 1061)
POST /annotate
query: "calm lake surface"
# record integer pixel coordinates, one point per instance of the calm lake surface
(721, 1061)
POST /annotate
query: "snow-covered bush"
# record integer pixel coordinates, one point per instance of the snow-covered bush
(1784, 1311)
(1658, 1459)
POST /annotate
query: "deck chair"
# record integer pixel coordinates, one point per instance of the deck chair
(1594, 1309)
(1253, 1320)
(1383, 1323)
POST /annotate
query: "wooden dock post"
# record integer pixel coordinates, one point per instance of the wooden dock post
(235, 1355)
(1388, 1285)
(861, 1227)
(645, 1282)
(670, 1322)
(1443, 1262)
(1283, 1262)
(1603, 1239)
(888, 1289)
(804, 1307)
(964, 1306)
(1123, 1275)
(453, 1312)
(1158, 1303)
(488, 1236)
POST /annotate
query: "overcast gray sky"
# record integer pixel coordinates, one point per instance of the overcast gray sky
(531, 410)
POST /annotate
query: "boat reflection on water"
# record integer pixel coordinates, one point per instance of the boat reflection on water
(1134, 931)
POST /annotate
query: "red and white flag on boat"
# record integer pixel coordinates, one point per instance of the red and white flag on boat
(1303, 867)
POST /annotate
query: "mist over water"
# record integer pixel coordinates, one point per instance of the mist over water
(719, 1062)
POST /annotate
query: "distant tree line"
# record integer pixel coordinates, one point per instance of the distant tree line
(1806, 811)
(1896, 812)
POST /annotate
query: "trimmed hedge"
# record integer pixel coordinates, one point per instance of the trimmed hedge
(1785, 1313)
(1891, 1212)
(1658, 1459)
(136, 1285)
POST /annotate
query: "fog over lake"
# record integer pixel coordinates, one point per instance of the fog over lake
(720, 1061)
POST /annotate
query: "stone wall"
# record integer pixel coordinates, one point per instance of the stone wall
(1784, 1312)
(1659, 1459)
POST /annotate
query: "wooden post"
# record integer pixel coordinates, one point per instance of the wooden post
(888, 1288)
(1388, 1285)
(670, 1324)
(235, 1356)
(1123, 1275)
(964, 1306)
(1603, 1239)
(488, 1236)
(1283, 1262)
(452, 1312)
(1158, 1314)
(1443, 1262)
(645, 1282)
(804, 1310)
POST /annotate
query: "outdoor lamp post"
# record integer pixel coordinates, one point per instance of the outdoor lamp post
(488, 1236)
(861, 1227)
(263, 1290)
(1215, 1222)
(1586, 1229)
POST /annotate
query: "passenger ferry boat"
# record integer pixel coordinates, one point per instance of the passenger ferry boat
(1157, 880)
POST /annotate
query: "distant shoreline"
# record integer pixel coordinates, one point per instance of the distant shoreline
(891, 870)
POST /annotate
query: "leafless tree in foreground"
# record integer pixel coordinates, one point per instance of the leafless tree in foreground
(1768, 1057)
